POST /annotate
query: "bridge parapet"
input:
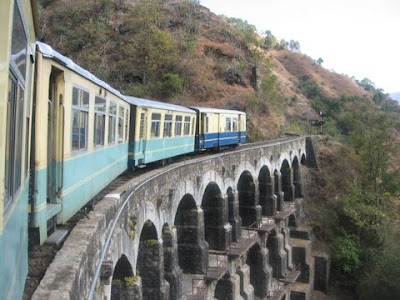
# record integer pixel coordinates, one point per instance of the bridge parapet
(174, 197)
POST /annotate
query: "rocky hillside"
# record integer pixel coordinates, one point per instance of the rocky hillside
(179, 51)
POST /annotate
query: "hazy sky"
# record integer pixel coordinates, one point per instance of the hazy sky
(359, 38)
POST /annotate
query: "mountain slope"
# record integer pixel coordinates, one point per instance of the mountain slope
(180, 52)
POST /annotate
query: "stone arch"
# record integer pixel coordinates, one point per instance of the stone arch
(303, 159)
(150, 263)
(216, 227)
(121, 288)
(192, 247)
(298, 192)
(286, 179)
(233, 215)
(210, 176)
(172, 271)
(266, 195)
(249, 210)
(260, 271)
(225, 288)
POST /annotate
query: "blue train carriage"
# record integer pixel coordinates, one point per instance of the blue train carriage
(18, 31)
(219, 128)
(159, 132)
(80, 139)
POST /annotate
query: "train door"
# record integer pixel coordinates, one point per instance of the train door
(203, 129)
(240, 127)
(55, 137)
(141, 144)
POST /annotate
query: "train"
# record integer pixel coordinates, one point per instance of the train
(65, 135)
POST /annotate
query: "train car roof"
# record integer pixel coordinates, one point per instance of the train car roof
(157, 104)
(49, 52)
(218, 110)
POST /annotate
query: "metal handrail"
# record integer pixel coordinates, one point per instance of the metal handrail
(122, 207)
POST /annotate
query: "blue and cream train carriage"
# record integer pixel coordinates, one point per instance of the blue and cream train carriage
(219, 128)
(159, 131)
(80, 138)
(18, 31)
(65, 134)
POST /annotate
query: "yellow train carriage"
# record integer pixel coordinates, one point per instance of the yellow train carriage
(18, 31)
(81, 139)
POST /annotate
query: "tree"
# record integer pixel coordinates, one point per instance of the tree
(294, 45)
(320, 61)
(270, 40)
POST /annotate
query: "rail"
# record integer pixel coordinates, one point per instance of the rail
(141, 184)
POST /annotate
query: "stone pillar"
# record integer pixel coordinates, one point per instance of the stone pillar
(277, 256)
(217, 229)
(121, 291)
(250, 211)
(278, 190)
(233, 216)
(287, 247)
(268, 200)
(192, 247)
(297, 182)
(151, 266)
(246, 289)
(173, 273)
(260, 272)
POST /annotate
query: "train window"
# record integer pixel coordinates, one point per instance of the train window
(15, 109)
(178, 125)
(13, 139)
(168, 126)
(141, 129)
(193, 120)
(80, 116)
(186, 126)
(235, 124)
(228, 125)
(121, 117)
(99, 120)
(207, 124)
(19, 43)
(155, 124)
(112, 122)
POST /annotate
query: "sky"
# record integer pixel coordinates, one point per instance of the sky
(359, 38)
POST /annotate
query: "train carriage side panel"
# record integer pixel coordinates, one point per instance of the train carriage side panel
(17, 40)
(163, 131)
(220, 128)
(81, 144)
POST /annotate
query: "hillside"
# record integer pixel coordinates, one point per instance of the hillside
(180, 52)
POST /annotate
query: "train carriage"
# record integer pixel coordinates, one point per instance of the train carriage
(18, 31)
(159, 132)
(219, 128)
(80, 141)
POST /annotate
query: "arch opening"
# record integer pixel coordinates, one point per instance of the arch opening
(216, 226)
(192, 247)
(248, 204)
(266, 195)
(122, 276)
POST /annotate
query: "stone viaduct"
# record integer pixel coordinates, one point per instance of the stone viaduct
(223, 226)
